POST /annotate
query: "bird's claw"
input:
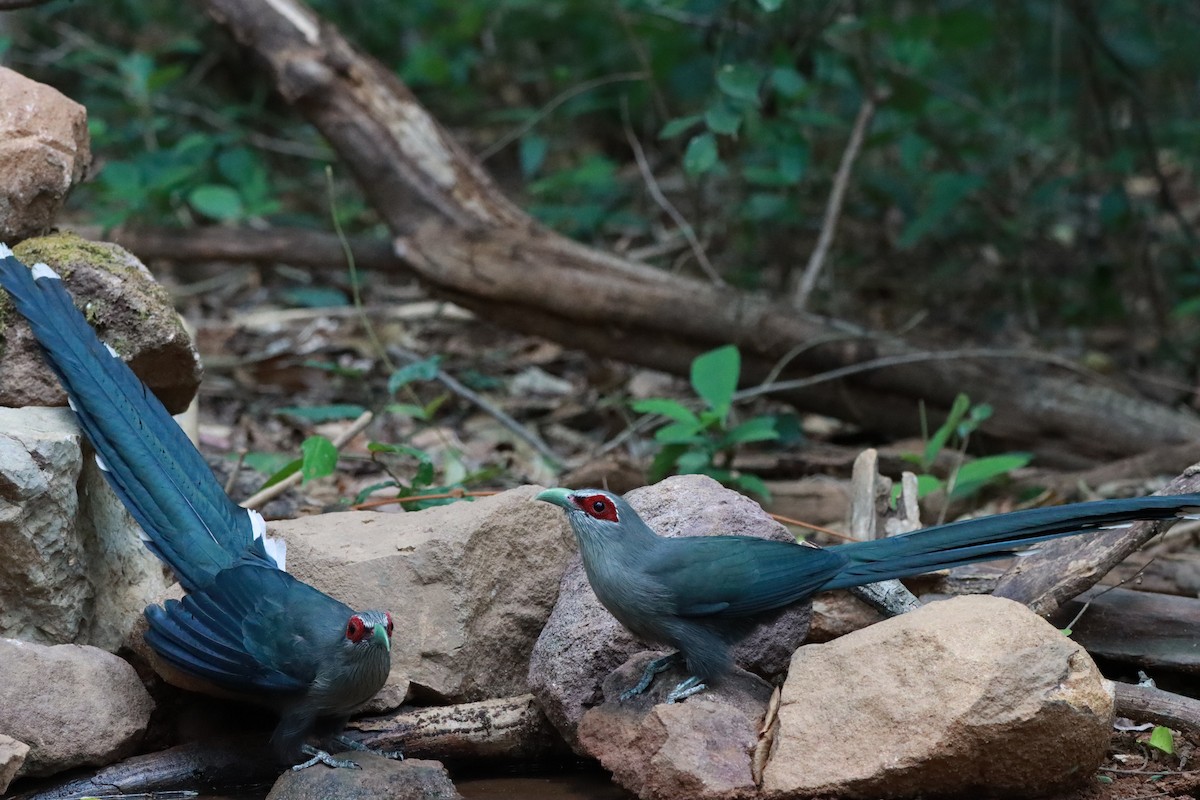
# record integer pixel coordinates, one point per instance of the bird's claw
(320, 756)
(354, 744)
(686, 689)
(651, 669)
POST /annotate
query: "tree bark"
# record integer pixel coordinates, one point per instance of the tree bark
(480, 250)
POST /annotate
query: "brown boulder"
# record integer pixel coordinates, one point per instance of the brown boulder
(698, 749)
(963, 697)
(44, 151)
(411, 779)
(72, 705)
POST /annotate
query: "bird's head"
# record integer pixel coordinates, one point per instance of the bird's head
(599, 517)
(369, 631)
(592, 507)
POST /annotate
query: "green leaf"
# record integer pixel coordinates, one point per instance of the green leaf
(664, 463)
(1162, 739)
(789, 82)
(266, 463)
(366, 492)
(216, 201)
(318, 456)
(533, 149)
(319, 414)
(678, 433)
(974, 475)
(715, 377)
(720, 118)
(701, 154)
(679, 125)
(425, 370)
(740, 81)
(759, 429)
(693, 461)
(961, 405)
(752, 483)
(666, 407)
(407, 410)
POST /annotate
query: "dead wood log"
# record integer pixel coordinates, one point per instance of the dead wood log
(483, 252)
(511, 729)
(1148, 704)
(1065, 567)
(296, 246)
(209, 766)
(1140, 629)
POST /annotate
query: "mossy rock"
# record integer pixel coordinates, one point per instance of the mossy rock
(130, 311)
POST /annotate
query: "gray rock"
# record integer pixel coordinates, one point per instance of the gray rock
(411, 779)
(72, 705)
(582, 642)
(12, 756)
(44, 151)
(131, 312)
(698, 749)
(970, 696)
(72, 569)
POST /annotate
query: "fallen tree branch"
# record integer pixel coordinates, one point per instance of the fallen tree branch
(1149, 704)
(299, 247)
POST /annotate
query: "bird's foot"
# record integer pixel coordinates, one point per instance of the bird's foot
(353, 744)
(686, 689)
(320, 756)
(653, 668)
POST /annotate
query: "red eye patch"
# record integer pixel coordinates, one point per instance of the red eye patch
(597, 506)
(356, 629)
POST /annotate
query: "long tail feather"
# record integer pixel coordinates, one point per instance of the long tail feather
(968, 541)
(160, 477)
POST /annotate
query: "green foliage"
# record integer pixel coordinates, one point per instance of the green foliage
(1162, 739)
(1028, 126)
(962, 420)
(704, 441)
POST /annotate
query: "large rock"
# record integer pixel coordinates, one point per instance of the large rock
(469, 586)
(582, 642)
(698, 749)
(44, 150)
(72, 569)
(411, 779)
(131, 312)
(72, 705)
(963, 697)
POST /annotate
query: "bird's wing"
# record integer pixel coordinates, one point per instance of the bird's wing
(253, 628)
(738, 576)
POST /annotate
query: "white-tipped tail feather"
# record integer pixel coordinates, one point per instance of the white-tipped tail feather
(5, 250)
(41, 270)
(276, 548)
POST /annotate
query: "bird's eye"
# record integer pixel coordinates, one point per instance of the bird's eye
(355, 629)
(597, 506)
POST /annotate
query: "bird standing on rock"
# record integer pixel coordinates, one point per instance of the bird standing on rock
(245, 624)
(702, 594)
